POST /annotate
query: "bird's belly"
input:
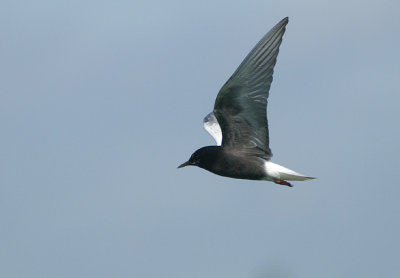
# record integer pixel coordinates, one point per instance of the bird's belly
(238, 169)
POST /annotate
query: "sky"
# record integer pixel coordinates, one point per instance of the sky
(100, 101)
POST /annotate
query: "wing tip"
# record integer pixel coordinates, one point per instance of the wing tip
(284, 21)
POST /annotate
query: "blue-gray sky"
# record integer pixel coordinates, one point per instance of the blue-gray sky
(101, 100)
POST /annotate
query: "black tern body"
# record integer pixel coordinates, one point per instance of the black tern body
(239, 124)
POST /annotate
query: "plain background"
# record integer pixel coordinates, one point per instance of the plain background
(100, 101)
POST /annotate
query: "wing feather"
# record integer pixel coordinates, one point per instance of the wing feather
(240, 107)
(211, 125)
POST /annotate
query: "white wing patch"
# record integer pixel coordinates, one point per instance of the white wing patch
(210, 123)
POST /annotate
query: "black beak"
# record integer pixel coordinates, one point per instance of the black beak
(187, 163)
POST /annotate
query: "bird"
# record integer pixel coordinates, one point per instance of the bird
(238, 122)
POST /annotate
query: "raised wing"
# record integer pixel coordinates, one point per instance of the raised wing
(211, 125)
(240, 107)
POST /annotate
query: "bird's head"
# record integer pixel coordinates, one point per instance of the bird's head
(194, 160)
(200, 158)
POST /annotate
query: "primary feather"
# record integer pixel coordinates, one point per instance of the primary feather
(241, 104)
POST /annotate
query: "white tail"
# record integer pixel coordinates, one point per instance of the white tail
(276, 171)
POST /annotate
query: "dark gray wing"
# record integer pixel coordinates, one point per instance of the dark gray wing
(241, 104)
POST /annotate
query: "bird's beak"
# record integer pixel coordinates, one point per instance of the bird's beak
(184, 164)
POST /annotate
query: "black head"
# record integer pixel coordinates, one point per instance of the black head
(201, 157)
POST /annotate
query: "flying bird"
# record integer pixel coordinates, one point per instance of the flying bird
(239, 124)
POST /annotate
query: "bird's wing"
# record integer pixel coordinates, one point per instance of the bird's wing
(210, 124)
(240, 107)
